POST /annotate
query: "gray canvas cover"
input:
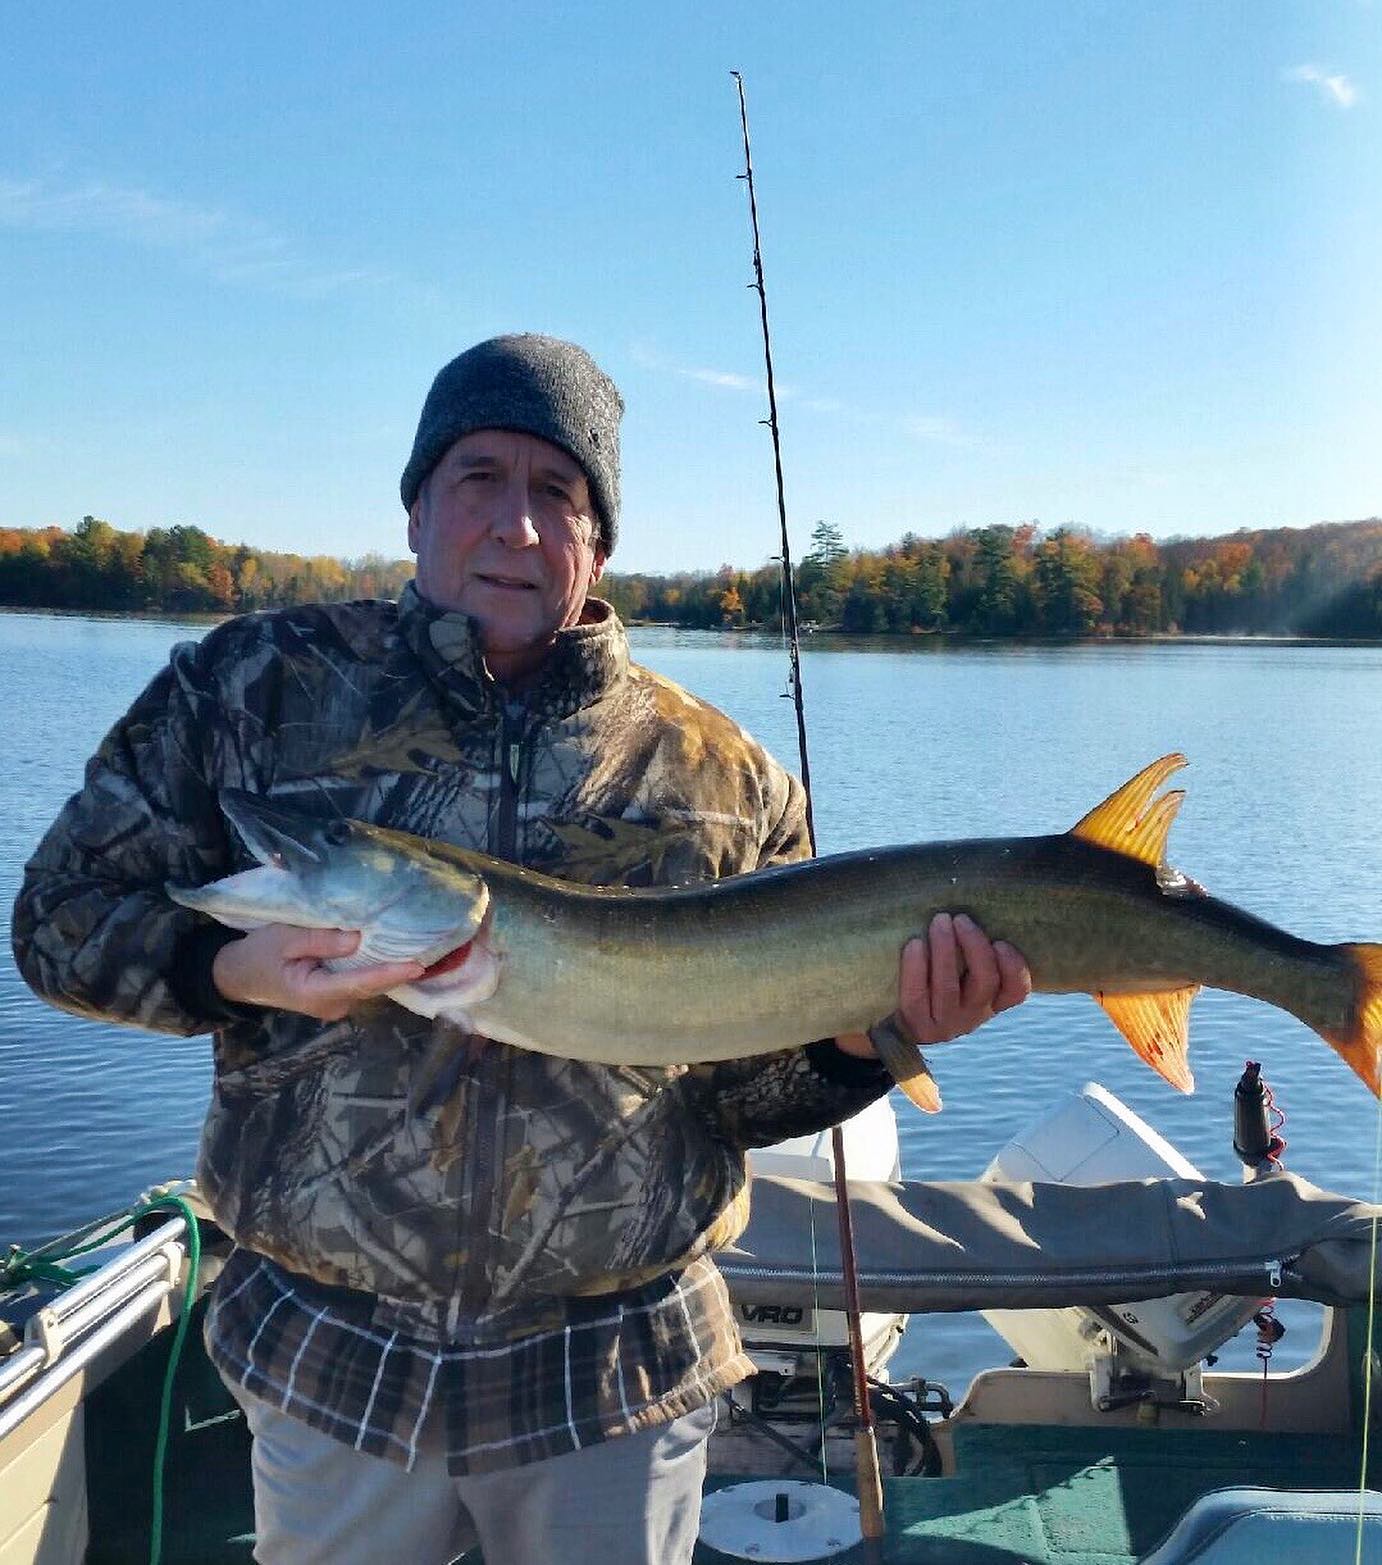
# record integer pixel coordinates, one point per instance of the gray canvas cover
(970, 1244)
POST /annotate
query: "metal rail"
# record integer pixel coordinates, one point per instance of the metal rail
(63, 1337)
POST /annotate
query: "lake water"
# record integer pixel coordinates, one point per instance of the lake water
(908, 743)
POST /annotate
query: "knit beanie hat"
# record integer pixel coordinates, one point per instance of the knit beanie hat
(539, 386)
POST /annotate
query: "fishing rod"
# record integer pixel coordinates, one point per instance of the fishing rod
(869, 1480)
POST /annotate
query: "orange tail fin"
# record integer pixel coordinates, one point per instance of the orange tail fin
(1361, 1043)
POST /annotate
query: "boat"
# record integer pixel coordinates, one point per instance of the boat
(1112, 1268)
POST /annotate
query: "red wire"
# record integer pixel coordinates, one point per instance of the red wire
(1278, 1141)
(1264, 1342)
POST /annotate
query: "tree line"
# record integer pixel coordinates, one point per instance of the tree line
(1002, 580)
(1023, 581)
(179, 569)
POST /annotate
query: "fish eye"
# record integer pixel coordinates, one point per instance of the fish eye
(338, 833)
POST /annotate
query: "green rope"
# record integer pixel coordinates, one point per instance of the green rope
(21, 1267)
(44, 1264)
(194, 1256)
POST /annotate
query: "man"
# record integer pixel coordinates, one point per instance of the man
(472, 1295)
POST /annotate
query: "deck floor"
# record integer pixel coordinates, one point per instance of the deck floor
(1046, 1496)
(1022, 1494)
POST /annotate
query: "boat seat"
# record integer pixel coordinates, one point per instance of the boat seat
(1244, 1526)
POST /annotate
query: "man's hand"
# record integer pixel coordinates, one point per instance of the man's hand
(951, 982)
(281, 967)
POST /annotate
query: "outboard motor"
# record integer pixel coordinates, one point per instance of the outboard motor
(1148, 1351)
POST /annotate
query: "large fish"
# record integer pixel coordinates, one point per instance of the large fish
(773, 959)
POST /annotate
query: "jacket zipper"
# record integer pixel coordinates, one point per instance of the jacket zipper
(505, 845)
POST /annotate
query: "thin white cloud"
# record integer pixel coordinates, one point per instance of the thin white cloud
(1334, 86)
(939, 431)
(721, 380)
(230, 247)
(724, 379)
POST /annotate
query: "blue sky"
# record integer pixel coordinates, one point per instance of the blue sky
(1112, 264)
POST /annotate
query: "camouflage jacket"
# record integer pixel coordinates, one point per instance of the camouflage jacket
(454, 1178)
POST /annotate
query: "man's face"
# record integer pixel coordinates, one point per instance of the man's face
(505, 531)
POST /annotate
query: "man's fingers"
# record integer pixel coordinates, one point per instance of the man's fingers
(945, 967)
(360, 983)
(320, 943)
(982, 976)
(914, 986)
(356, 983)
(330, 996)
(281, 967)
(1015, 981)
(954, 978)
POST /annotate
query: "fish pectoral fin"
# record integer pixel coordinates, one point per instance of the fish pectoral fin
(1158, 1027)
(907, 1068)
(1133, 821)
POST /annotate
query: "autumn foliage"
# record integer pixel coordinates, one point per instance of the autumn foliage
(176, 569)
(1022, 581)
(989, 581)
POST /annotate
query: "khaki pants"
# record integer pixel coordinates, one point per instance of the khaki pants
(634, 1500)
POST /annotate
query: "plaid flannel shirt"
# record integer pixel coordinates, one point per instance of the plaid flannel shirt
(615, 1366)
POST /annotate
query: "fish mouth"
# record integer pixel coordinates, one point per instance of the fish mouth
(448, 963)
(451, 962)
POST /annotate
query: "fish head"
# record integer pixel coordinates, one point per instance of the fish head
(407, 903)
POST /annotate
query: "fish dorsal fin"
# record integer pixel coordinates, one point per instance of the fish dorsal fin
(1158, 1027)
(1133, 821)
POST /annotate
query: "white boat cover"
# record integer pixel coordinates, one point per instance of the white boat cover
(971, 1244)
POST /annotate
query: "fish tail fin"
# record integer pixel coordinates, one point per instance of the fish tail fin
(1158, 1027)
(907, 1068)
(1360, 1043)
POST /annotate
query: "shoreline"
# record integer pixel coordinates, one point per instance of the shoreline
(931, 640)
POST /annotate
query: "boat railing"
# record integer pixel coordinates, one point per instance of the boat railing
(65, 1335)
